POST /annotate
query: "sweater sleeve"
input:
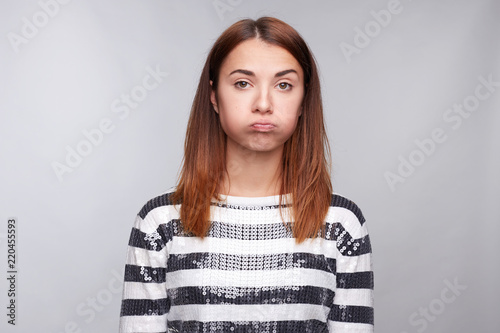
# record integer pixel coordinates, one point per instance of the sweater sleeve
(145, 303)
(353, 301)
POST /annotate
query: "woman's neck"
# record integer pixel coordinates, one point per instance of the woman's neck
(251, 173)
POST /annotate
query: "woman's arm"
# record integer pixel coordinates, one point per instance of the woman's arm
(353, 303)
(145, 303)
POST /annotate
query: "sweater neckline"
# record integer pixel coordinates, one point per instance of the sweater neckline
(272, 200)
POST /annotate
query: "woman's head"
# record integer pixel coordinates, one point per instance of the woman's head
(277, 33)
(305, 155)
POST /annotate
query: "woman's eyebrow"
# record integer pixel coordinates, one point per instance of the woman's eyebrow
(243, 71)
(286, 71)
(250, 73)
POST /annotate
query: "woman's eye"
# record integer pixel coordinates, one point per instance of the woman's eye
(241, 84)
(284, 86)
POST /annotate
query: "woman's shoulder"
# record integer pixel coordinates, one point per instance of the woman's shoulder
(160, 202)
(344, 208)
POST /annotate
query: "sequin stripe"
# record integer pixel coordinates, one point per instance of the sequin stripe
(340, 201)
(145, 307)
(248, 295)
(358, 280)
(248, 207)
(250, 231)
(161, 200)
(144, 274)
(154, 241)
(223, 261)
(289, 326)
(238, 231)
(351, 314)
(349, 246)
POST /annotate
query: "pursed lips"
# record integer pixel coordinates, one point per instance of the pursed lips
(263, 126)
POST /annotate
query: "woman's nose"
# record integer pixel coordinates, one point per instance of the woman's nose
(263, 101)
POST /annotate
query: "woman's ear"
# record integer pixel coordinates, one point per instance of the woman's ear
(213, 98)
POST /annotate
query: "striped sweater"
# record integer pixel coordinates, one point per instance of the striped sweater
(248, 274)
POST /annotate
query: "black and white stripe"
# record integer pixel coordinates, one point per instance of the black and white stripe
(307, 326)
(248, 274)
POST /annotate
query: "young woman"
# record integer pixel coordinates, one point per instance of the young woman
(252, 239)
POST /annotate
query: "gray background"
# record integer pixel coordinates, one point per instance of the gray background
(435, 227)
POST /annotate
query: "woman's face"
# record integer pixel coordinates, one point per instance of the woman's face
(259, 96)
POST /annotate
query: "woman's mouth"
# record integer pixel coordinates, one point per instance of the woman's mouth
(263, 126)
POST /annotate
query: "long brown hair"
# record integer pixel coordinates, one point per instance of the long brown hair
(306, 155)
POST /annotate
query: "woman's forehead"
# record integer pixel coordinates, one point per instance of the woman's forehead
(260, 57)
